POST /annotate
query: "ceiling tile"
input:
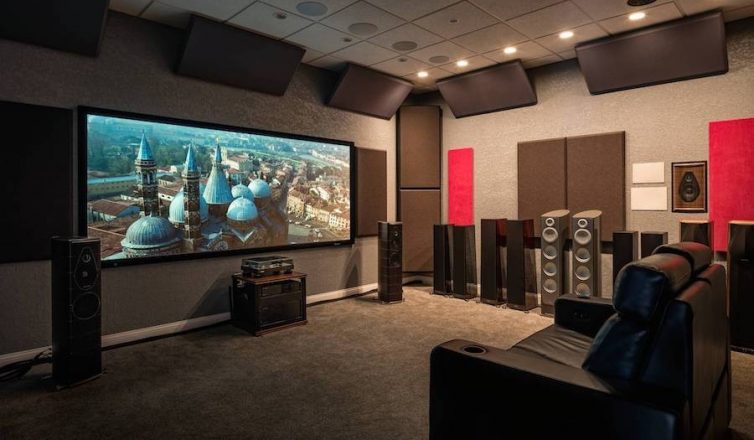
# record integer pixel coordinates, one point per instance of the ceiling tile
(362, 12)
(589, 32)
(365, 53)
(331, 7)
(221, 10)
(401, 66)
(549, 59)
(475, 62)
(322, 38)
(489, 38)
(328, 62)
(446, 48)
(435, 74)
(311, 55)
(549, 20)
(737, 14)
(528, 50)
(655, 15)
(407, 32)
(456, 20)
(168, 15)
(690, 7)
(411, 10)
(601, 9)
(263, 18)
(568, 54)
(505, 10)
(130, 7)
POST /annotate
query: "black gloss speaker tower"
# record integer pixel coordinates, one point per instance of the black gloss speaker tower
(625, 250)
(554, 227)
(699, 231)
(441, 275)
(522, 277)
(76, 308)
(651, 240)
(586, 256)
(464, 262)
(390, 267)
(741, 284)
(493, 279)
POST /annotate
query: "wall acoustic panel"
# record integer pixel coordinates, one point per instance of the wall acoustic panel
(366, 91)
(419, 134)
(541, 178)
(420, 210)
(228, 55)
(371, 190)
(596, 178)
(683, 49)
(731, 179)
(36, 184)
(495, 88)
(461, 186)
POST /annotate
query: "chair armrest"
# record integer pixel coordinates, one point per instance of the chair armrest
(583, 315)
(495, 393)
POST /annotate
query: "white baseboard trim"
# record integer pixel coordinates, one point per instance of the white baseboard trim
(340, 294)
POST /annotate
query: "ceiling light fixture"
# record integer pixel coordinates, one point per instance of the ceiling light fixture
(510, 50)
(636, 16)
(565, 35)
(462, 63)
(422, 74)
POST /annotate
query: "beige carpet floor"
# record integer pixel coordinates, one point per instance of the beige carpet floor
(358, 370)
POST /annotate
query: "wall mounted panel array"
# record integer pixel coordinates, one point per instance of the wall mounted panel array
(541, 178)
(371, 190)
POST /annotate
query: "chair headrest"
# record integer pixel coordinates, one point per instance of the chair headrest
(697, 254)
(644, 287)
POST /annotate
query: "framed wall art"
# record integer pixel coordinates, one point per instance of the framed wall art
(689, 186)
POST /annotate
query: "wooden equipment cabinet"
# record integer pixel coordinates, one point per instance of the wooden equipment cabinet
(260, 305)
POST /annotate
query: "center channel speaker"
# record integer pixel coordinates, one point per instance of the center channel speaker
(625, 250)
(464, 262)
(554, 227)
(586, 254)
(741, 284)
(493, 279)
(651, 240)
(699, 231)
(76, 310)
(390, 267)
(442, 266)
(522, 277)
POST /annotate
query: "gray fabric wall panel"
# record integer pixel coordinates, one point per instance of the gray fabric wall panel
(371, 190)
(419, 144)
(420, 210)
(541, 178)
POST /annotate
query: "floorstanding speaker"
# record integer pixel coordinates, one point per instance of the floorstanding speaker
(651, 240)
(76, 310)
(464, 262)
(741, 284)
(586, 257)
(493, 279)
(554, 227)
(700, 231)
(390, 267)
(522, 277)
(625, 250)
(441, 275)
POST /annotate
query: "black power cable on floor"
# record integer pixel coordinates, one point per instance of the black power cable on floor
(17, 370)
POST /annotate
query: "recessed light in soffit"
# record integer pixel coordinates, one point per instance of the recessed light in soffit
(362, 28)
(312, 9)
(405, 45)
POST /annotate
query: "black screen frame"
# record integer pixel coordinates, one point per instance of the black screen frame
(82, 118)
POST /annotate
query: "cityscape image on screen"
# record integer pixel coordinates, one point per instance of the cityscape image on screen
(158, 189)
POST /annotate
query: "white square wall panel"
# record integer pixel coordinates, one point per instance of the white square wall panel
(649, 172)
(649, 198)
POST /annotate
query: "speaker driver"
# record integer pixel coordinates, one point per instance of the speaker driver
(583, 273)
(549, 234)
(85, 306)
(582, 255)
(582, 223)
(583, 290)
(550, 252)
(550, 269)
(582, 236)
(550, 286)
(549, 221)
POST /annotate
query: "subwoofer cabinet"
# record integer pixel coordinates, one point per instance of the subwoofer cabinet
(464, 262)
(651, 240)
(586, 256)
(554, 227)
(76, 310)
(390, 262)
(741, 284)
(493, 277)
(699, 231)
(442, 265)
(625, 250)
(260, 305)
(522, 277)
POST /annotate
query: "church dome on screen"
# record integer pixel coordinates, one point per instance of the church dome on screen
(242, 191)
(150, 233)
(260, 188)
(177, 210)
(242, 210)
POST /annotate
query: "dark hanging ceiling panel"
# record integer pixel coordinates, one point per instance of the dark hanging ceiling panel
(500, 87)
(72, 26)
(683, 49)
(225, 54)
(369, 92)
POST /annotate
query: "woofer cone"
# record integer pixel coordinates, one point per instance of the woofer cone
(582, 236)
(550, 269)
(549, 235)
(550, 252)
(582, 255)
(583, 290)
(550, 286)
(583, 273)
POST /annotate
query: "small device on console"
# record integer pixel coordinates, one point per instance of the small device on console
(264, 266)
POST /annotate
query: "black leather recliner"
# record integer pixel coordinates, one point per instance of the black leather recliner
(652, 364)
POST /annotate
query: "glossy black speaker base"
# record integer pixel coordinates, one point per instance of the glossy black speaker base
(547, 310)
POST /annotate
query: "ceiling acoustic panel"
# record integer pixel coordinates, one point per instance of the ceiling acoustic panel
(366, 91)
(500, 87)
(225, 54)
(689, 48)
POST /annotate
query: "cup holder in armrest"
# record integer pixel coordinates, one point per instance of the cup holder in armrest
(474, 349)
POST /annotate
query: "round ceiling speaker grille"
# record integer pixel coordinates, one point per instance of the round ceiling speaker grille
(640, 2)
(312, 9)
(582, 223)
(550, 286)
(362, 28)
(583, 290)
(550, 252)
(405, 45)
(549, 221)
(549, 235)
(550, 269)
(439, 59)
(582, 255)
(582, 236)
(583, 273)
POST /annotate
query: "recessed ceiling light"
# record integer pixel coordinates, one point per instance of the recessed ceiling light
(462, 63)
(636, 16)
(510, 50)
(565, 35)
(422, 74)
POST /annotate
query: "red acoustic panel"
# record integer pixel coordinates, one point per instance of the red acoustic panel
(731, 175)
(461, 186)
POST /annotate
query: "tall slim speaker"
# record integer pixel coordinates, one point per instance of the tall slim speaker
(700, 231)
(741, 284)
(493, 277)
(522, 277)
(441, 275)
(554, 227)
(586, 254)
(76, 310)
(651, 240)
(464, 262)
(390, 267)
(625, 250)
